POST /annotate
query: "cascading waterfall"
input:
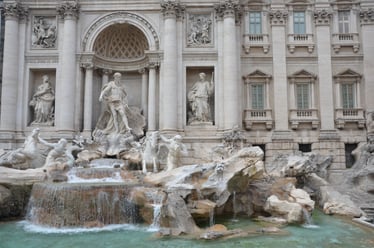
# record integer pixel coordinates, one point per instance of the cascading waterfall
(211, 217)
(65, 204)
(234, 207)
(308, 221)
(157, 205)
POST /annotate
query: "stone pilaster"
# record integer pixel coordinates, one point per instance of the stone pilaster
(219, 105)
(87, 116)
(65, 98)
(13, 12)
(278, 19)
(367, 31)
(228, 11)
(169, 85)
(322, 19)
(152, 97)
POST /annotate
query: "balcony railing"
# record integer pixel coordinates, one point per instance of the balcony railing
(256, 40)
(349, 115)
(259, 116)
(345, 40)
(300, 40)
(298, 116)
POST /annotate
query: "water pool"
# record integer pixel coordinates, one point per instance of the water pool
(328, 232)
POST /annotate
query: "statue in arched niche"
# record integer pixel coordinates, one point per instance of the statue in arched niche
(199, 100)
(43, 103)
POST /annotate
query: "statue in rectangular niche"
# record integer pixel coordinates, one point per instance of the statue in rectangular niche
(44, 33)
(199, 30)
(43, 103)
(199, 100)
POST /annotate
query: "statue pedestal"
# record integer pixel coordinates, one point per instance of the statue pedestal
(200, 123)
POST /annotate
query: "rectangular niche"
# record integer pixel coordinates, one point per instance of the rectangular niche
(199, 31)
(44, 32)
(41, 97)
(200, 88)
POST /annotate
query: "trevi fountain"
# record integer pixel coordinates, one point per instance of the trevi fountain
(121, 185)
(139, 178)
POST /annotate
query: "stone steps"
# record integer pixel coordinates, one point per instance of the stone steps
(369, 211)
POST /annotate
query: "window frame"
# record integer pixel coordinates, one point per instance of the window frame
(297, 24)
(255, 27)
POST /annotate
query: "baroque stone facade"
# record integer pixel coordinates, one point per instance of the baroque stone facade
(292, 75)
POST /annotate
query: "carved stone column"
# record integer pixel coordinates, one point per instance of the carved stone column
(219, 105)
(278, 20)
(65, 100)
(105, 77)
(322, 19)
(13, 12)
(169, 85)
(87, 117)
(152, 97)
(144, 100)
(367, 31)
(227, 10)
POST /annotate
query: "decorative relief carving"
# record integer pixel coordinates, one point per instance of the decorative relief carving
(322, 17)
(172, 9)
(278, 17)
(199, 30)
(14, 10)
(367, 16)
(68, 9)
(44, 32)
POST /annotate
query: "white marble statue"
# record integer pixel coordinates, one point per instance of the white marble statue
(370, 122)
(176, 150)
(118, 117)
(150, 153)
(23, 157)
(199, 100)
(43, 103)
(60, 153)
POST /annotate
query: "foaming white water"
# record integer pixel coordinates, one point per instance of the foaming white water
(116, 178)
(32, 228)
(310, 226)
(155, 226)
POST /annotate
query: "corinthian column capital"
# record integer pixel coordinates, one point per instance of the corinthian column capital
(68, 10)
(14, 11)
(367, 16)
(278, 17)
(172, 9)
(322, 17)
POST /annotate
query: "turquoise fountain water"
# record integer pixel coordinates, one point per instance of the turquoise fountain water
(328, 231)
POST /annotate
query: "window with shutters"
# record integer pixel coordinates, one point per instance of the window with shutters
(348, 95)
(302, 95)
(257, 96)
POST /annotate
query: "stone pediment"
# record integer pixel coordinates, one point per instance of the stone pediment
(257, 74)
(348, 74)
(303, 74)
